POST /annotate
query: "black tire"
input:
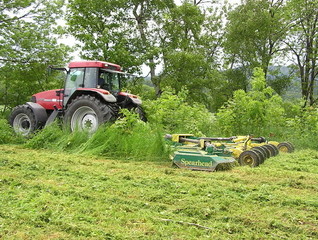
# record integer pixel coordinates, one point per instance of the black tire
(268, 153)
(249, 158)
(140, 111)
(285, 147)
(275, 149)
(292, 145)
(23, 121)
(264, 150)
(270, 149)
(87, 113)
(261, 154)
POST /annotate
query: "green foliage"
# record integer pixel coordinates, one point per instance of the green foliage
(45, 194)
(175, 114)
(47, 137)
(302, 44)
(28, 45)
(302, 128)
(191, 70)
(7, 136)
(142, 88)
(128, 138)
(258, 111)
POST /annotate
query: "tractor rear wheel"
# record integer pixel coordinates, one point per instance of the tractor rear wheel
(250, 158)
(86, 113)
(22, 120)
(285, 147)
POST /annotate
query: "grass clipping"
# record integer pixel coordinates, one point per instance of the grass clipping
(128, 138)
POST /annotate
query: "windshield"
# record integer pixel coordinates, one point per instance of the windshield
(109, 81)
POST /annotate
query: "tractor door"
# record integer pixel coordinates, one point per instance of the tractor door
(79, 78)
(110, 80)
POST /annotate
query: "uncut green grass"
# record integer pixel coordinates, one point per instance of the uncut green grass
(45, 195)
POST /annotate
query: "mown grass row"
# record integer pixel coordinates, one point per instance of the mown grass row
(51, 195)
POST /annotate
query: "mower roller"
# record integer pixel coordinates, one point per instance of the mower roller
(206, 153)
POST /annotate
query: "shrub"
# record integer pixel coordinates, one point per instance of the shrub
(302, 129)
(258, 112)
(175, 115)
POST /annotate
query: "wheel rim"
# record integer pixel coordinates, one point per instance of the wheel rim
(283, 149)
(248, 160)
(84, 119)
(22, 124)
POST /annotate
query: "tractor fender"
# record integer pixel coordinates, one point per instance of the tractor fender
(134, 98)
(39, 112)
(136, 101)
(104, 94)
(108, 98)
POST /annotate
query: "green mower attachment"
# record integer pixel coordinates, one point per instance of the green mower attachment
(197, 154)
(214, 153)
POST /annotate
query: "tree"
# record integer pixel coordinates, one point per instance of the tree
(302, 41)
(28, 44)
(122, 31)
(254, 34)
(191, 41)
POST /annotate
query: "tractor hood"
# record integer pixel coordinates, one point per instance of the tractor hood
(49, 99)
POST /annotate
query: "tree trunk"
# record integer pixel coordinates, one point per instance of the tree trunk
(139, 17)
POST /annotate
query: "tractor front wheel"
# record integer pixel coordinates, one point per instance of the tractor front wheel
(141, 113)
(22, 120)
(86, 113)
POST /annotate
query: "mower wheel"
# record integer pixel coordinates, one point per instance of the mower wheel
(261, 154)
(270, 149)
(292, 146)
(274, 149)
(86, 113)
(22, 120)
(285, 147)
(268, 153)
(264, 150)
(250, 158)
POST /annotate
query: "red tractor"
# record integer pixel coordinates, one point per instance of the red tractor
(90, 97)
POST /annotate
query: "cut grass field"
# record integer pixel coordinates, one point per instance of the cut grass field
(50, 195)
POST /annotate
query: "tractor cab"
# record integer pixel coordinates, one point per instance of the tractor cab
(93, 75)
(97, 76)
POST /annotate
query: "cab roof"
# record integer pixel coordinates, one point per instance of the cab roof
(91, 64)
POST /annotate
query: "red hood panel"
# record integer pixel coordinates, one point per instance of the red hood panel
(49, 99)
